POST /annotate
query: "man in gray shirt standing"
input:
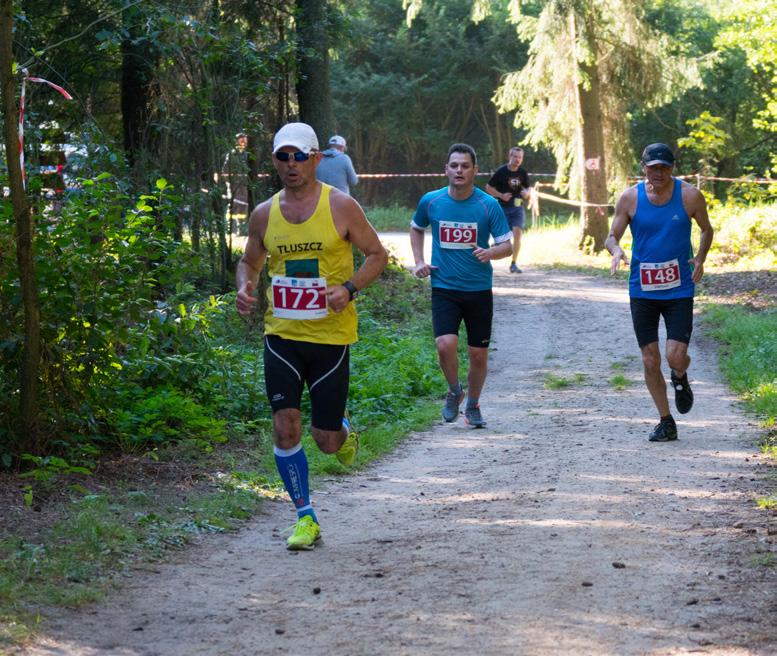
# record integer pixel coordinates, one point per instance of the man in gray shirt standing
(336, 168)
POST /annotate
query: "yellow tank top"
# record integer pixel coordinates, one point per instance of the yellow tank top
(300, 258)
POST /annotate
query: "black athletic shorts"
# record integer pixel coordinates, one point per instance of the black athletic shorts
(450, 306)
(678, 319)
(289, 365)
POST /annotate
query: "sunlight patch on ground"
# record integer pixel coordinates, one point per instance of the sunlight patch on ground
(558, 522)
(685, 493)
(727, 455)
(520, 497)
(616, 295)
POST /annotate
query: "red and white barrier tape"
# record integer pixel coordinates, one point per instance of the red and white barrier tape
(21, 114)
(375, 176)
(564, 201)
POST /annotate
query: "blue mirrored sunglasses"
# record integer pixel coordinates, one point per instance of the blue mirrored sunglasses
(299, 156)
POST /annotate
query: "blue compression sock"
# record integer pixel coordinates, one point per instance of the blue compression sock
(293, 467)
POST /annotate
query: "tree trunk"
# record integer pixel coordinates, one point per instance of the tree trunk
(29, 431)
(594, 223)
(314, 93)
(137, 74)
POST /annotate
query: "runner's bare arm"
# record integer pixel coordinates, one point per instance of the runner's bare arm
(495, 252)
(421, 268)
(352, 224)
(254, 256)
(624, 210)
(696, 206)
(496, 194)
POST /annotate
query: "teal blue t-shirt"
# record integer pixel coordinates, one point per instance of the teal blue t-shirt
(457, 227)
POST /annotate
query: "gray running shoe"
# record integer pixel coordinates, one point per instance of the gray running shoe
(514, 268)
(450, 411)
(473, 418)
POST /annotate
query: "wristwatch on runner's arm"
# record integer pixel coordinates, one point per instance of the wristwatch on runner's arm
(352, 291)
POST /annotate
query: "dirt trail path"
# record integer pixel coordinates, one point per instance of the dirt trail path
(557, 530)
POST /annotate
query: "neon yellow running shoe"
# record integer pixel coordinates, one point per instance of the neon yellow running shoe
(306, 533)
(346, 454)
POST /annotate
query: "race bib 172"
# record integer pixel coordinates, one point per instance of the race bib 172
(659, 275)
(299, 298)
(454, 234)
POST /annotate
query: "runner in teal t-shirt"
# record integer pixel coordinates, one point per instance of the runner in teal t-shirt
(462, 219)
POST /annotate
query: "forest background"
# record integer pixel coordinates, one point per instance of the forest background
(118, 336)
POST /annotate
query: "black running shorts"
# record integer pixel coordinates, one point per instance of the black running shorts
(678, 319)
(289, 365)
(476, 309)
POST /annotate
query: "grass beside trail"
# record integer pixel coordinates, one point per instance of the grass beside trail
(748, 357)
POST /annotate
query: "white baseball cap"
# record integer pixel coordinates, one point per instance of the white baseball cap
(337, 140)
(297, 135)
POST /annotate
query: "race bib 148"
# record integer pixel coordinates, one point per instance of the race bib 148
(655, 276)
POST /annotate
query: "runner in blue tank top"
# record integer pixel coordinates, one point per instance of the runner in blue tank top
(663, 274)
(462, 219)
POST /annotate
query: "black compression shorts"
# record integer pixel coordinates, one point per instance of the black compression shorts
(289, 365)
(476, 309)
(678, 318)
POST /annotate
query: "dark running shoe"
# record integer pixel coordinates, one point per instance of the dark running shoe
(683, 396)
(450, 411)
(665, 431)
(514, 268)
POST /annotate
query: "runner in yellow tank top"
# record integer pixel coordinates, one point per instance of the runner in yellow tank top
(305, 233)
(301, 252)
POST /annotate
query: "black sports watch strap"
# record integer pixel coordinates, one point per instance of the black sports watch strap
(352, 291)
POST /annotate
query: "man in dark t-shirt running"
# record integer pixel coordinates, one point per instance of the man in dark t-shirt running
(510, 186)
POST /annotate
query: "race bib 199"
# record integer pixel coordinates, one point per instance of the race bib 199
(659, 275)
(454, 234)
(299, 298)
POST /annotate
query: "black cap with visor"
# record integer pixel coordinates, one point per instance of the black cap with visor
(657, 153)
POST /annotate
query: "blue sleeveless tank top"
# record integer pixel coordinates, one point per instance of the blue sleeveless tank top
(661, 248)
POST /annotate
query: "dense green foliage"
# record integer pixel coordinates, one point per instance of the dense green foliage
(734, 43)
(404, 94)
(395, 85)
(114, 317)
(590, 63)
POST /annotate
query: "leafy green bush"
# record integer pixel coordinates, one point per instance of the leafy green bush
(748, 233)
(103, 264)
(161, 415)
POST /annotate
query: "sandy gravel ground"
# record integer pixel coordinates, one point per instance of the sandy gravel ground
(558, 529)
